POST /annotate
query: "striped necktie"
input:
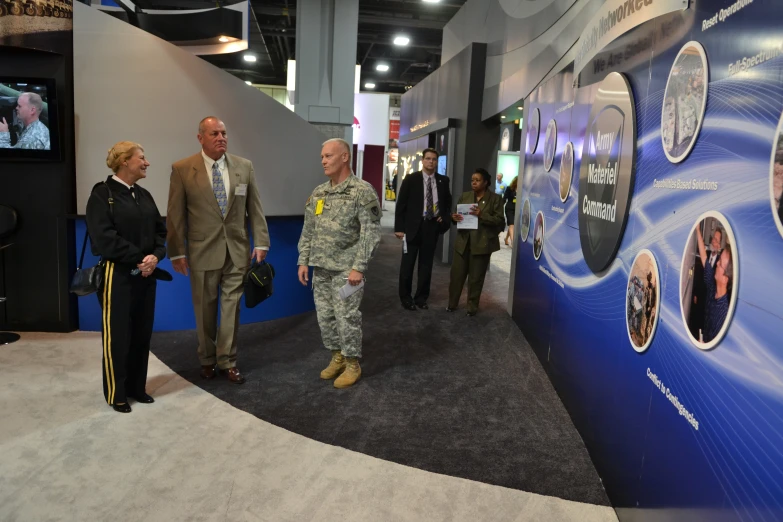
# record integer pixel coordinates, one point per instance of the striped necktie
(430, 211)
(219, 189)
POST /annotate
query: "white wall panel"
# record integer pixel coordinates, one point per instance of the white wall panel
(131, 85)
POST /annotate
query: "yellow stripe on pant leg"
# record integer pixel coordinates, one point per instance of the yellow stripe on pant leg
(109, 283)
(106, 333)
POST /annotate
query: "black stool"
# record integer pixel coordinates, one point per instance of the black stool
(8, 224)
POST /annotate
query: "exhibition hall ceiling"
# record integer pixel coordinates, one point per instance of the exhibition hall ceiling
(272, 39)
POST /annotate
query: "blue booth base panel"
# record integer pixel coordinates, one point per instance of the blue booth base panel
(174, 306)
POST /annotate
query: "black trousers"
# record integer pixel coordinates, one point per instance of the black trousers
(128, 305)
(422, 247)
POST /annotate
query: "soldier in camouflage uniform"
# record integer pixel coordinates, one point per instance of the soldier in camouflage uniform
(35, 134)
(342, 229)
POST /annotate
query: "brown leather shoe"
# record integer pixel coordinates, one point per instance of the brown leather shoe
(233, 375)
(208, 371)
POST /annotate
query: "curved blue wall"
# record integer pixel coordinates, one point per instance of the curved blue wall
(174, 307)
(654, 463)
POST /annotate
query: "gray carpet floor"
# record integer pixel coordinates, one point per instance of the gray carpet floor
(441, 392)
(66, 456)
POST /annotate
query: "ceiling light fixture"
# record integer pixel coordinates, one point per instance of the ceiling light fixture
(369, 85)
(521, 108)
(249, 57)
(502, 117)
(431, 1)
(401, 40)
(382, 67)
(248, 82)
(223, 39)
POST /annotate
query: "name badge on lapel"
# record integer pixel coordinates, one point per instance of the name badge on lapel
(241, 190)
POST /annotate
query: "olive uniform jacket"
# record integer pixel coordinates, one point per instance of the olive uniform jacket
(197, 229)
(483, 240)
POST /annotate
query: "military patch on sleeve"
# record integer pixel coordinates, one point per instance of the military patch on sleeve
(374, 208)
(308, 200)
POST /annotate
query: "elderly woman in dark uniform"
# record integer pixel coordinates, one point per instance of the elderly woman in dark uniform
(473, 248)
(127, 231)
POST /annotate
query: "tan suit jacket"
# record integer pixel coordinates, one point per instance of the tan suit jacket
(197, 229)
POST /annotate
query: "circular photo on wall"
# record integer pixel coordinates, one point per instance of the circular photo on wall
(708, 280)
(642, 300)
(538, 235)
(566, 170)
(524, 221)
(776, 177)
(533, 130)
(550, 144)
(684, 102)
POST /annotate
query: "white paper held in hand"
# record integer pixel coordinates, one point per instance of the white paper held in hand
(469, 221)
(348, 290)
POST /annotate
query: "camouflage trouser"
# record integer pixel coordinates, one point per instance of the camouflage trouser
(340, 321)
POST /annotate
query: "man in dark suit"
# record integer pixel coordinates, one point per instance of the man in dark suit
(421, 215)
(698, 310)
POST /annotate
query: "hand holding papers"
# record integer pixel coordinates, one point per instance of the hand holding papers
(348, 290)
(469, 221)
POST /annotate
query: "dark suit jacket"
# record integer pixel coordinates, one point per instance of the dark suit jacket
(410, 204)
(699, 288)
(484, 240)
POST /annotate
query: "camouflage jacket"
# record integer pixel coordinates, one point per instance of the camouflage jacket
(34, 136)
(342, 226)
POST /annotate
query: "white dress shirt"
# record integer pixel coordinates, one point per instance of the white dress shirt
(427, 177)
(711, 259)
(221, 162)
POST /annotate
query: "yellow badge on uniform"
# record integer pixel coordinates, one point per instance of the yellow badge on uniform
(319, 207)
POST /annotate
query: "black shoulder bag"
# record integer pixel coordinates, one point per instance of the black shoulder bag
(90, 280)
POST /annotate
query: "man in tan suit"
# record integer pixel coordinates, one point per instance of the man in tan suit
(211, 197)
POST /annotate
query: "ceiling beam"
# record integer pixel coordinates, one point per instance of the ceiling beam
(397, 21)
(388, 59)
(271, 30)
(367, 53)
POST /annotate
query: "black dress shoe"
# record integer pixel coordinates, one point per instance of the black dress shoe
(450, 309)
(423, 306)
(409, 306)
(122, 408)
(146, 399)
(470, 314)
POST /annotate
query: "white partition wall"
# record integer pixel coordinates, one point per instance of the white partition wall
(131, 85)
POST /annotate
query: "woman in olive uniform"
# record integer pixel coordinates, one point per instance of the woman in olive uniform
(510, 198)
(473, 248)
(127, 231)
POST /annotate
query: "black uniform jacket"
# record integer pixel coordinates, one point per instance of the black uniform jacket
(130, 231)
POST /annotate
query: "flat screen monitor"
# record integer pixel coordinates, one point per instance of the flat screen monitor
(442, 162)
(28, 119)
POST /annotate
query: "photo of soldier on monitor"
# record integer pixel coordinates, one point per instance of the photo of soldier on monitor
(23, 118)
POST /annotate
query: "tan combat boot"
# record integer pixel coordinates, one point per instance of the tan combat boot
(336, 366)
(351, 374)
